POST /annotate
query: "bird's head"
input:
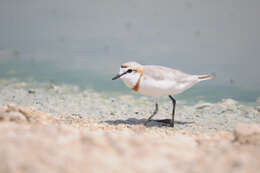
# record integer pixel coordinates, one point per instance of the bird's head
(129, 70)
(130, 73)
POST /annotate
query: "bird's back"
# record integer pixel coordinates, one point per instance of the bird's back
(159, 73)
(160, 81)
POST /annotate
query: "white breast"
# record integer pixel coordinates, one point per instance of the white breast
(130, 79)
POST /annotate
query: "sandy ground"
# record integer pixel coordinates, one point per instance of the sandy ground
(62, 129)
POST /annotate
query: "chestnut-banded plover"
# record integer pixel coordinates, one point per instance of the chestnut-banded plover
(156, 81)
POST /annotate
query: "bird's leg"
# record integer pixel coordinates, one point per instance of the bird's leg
(173, 110)
(154, 113)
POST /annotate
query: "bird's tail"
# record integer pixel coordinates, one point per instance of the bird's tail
(206, 77)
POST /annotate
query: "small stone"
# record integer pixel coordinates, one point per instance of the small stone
(31, 91)
(247, 134)
(257, 108)
(203, 106)
(6, 115)
(229, 102)
(76, 115)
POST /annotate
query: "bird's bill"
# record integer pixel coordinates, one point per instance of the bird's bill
(118, 76)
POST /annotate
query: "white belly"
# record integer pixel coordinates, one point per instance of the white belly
(163, 87)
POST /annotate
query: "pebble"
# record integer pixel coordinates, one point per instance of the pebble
(247, 134)
(257, 108)
(31, 91)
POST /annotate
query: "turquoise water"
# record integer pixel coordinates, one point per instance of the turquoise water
(44, 71)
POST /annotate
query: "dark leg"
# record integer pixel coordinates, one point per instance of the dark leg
(173, 110)
(155, 112)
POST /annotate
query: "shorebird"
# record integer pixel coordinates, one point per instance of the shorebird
(157, 81)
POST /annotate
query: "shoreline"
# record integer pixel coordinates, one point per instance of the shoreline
(126, 109)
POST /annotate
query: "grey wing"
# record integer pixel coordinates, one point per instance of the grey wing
(165, 73)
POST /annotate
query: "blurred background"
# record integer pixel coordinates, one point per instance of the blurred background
(83, 42)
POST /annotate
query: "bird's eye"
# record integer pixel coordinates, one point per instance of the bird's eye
(129, 71)
(123, 66)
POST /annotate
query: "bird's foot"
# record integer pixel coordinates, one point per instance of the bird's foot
(146, 122)
(166, 121)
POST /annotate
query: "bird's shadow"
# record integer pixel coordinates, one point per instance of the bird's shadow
(152, 123)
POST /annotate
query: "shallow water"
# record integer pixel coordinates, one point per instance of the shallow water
(46, 71)
(84, 43)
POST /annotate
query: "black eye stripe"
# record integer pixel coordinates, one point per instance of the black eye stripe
(123, 66)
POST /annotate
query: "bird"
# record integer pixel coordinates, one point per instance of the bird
(158, 81)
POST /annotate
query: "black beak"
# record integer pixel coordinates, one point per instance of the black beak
(119, 75)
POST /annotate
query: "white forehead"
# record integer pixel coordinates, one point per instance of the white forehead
(131, 64)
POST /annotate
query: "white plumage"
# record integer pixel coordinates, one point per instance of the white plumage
(156, 81)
